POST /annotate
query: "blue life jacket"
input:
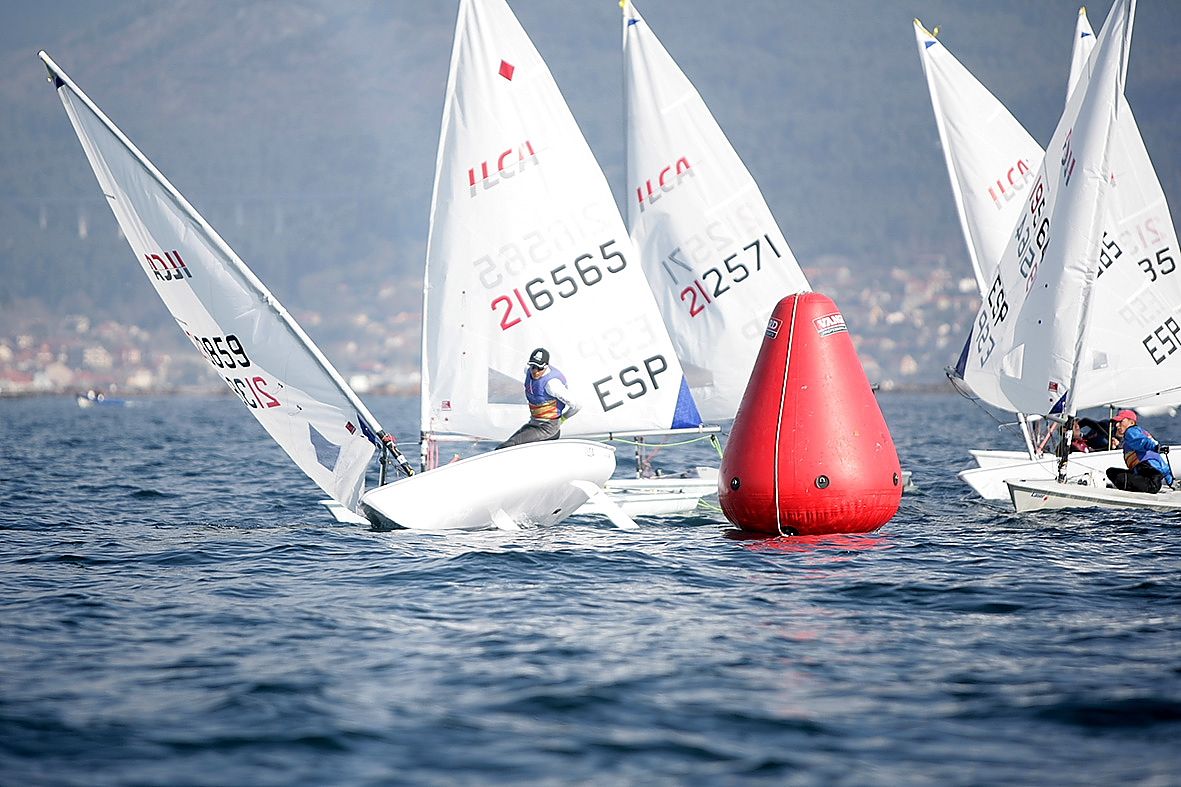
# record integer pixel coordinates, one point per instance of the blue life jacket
(542, 406)
(1139, 446)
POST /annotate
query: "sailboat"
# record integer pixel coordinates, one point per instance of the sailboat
(278, 373)
(1082, 309)
(527, 249)
(710, 246)
(990, 160)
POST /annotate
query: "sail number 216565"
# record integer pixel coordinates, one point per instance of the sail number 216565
(564, 281)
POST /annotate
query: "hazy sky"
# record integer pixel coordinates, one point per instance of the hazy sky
(779, 75)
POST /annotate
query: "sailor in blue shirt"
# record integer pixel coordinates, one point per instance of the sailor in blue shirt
(1147, 469)
(550, 403)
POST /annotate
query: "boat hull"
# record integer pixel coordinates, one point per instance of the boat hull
(990, 458)
(659, 496)
(1044, 495)
(989, 481)
(86, 402)
(535, 484)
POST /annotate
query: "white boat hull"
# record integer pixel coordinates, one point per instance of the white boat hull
(989, 481)
(989, 458)
(1048, 495)
(659, 496)
(535, 484)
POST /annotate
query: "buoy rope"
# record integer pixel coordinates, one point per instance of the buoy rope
(791, 335)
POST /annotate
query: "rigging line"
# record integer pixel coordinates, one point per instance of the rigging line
(976, 401)
(657, 446)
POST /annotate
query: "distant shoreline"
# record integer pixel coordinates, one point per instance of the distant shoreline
(933, 388)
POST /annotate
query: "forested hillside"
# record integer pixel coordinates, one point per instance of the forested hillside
(306, 131)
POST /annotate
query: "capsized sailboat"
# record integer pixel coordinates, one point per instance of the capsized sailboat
(1080, 314)
(527, 249)
(273, 367)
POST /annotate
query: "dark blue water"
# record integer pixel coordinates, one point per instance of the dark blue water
(175, 608)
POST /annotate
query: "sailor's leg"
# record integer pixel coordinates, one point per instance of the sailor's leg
(532, 432)
(523, 435)
(1146, 478)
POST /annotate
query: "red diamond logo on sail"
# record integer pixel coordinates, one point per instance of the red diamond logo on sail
(506, 70)
(349, 426)
(446, 406)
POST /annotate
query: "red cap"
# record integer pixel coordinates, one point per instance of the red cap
(1122, 414)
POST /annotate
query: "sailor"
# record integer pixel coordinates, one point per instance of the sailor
(1091, 435)
(550, 404)
(1146, 468)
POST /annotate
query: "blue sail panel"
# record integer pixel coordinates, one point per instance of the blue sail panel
(686, 416)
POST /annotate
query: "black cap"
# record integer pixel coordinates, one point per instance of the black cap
(539, 357)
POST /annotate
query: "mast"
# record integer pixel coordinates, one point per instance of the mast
(1095, 229)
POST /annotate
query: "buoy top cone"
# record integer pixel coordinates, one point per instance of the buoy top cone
(809, 452)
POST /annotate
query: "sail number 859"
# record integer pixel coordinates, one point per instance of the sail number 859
(567, 279)
(224, 352)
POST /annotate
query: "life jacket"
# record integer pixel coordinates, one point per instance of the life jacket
(542, 406)
(1133, 458)
(1148, 456)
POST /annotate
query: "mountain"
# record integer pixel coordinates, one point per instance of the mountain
(306, 131)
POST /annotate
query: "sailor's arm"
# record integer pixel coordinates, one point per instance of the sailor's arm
(1136, 439)
(557, 389)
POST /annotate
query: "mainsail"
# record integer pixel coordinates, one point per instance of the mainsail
(710, 246)
(1080, 53)
(991, 158)
(527, 249)
(1075, 296)
(1138, 229)
(253, 344)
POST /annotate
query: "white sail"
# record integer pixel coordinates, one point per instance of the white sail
(1080, 53)
(1130, 357)
(1030, 334)
(991, 158)
(713, 252)
(527, 249)
(255, 347)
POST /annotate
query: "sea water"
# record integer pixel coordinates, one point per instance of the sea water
(176, 608)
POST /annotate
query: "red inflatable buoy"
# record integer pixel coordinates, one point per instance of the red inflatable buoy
(809, 452)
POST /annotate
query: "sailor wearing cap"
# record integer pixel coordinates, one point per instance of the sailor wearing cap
(1146, 468)
(550, 404)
